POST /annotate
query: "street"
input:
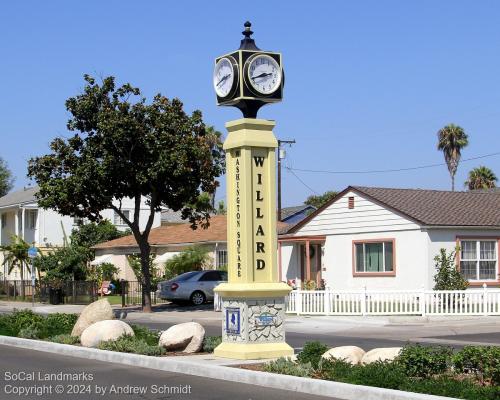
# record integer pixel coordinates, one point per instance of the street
(97, 380)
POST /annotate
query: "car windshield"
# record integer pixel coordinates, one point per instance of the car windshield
(186, 276)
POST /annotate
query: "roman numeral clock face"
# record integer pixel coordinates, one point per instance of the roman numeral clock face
(264, 74)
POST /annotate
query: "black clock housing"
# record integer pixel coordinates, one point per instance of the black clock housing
(242, 95)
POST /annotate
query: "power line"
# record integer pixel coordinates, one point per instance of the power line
(380, 171)
(301, 181)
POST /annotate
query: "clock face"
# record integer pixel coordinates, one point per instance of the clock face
(224, 77)
(264, 73)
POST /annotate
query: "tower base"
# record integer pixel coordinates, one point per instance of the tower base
(253, 321)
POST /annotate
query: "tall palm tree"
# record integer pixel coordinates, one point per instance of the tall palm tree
(17, 256)
(481, 178)
(451, 140)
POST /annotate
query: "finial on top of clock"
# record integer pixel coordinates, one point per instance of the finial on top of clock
(247, 43)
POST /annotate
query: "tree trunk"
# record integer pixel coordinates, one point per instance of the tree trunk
(146, 276)
(453, 183)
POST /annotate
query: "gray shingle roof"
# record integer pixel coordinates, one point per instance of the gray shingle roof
(435, 207)
(289, 211)
(19, 197)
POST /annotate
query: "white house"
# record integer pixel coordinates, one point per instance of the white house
(21, 216)
(387, 239)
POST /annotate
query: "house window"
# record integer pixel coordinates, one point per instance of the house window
(221, 258)
(4, 220)
(478, 259)
(351, 203)
(78, 221)
(31, 219)
(118, 220)
(374, 257)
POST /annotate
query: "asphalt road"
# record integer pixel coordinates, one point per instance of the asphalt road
(294, 339)
(100, 376)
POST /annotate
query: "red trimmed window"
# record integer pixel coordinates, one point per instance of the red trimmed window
(374, 257)
(479, 259)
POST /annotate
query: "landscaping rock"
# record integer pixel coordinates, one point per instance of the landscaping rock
(104, 330)
(381, 354)
(99, 310)
(187, 337)
(350, 354)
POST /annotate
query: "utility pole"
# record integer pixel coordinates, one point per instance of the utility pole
(280, 156)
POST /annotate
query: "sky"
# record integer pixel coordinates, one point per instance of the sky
(368, 83)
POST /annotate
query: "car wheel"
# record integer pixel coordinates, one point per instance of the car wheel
(198, 298)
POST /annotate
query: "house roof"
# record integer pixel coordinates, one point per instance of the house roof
(430, 207)
(287, 212)
(172, 217)
(23, 196)
(181, 234)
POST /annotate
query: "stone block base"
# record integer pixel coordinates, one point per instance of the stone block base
(255, 351)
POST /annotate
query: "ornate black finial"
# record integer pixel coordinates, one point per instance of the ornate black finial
(248, 43)
(247, 32)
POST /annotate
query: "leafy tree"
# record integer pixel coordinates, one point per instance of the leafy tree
(481, 178)
(448, 277)
(6, 179)
(123, 147)
(321, 199)
(191, 259)
(65, 263)
(16, 255)
(85, 236)
(221, 208)
(451, 140)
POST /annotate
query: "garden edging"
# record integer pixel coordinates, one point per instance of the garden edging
(339, 390)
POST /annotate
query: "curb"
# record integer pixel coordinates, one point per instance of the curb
(344, 391)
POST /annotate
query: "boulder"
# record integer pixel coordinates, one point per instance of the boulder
(104, 330)
(187, 337)
(381, 354)
(350, 354)
(99, 310)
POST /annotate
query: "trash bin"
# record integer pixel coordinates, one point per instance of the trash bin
(55, 296)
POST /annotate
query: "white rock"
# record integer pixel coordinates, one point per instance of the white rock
(99, 310)
(350, 354)
(187, 337)
(104, 330)
(381, 354)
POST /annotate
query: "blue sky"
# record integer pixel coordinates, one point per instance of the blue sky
(368, 83)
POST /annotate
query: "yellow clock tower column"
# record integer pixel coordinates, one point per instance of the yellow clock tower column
(253, 299)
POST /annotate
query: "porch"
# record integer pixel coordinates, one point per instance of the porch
(300, 259)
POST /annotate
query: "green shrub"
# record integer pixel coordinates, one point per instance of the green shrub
(311, 353)
(59, 324)
(210, 343)
(150, 336)
(131, 344)
(287, 367)
(449, 387)
(23, 319)
(30, 332)
(6, 325)
(482, 361)
(384, 374)
(424, 361)
(334, 370)
(64, 339)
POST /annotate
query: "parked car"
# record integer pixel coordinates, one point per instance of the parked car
(195, 286)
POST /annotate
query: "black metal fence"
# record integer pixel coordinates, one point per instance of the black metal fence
(73, 292)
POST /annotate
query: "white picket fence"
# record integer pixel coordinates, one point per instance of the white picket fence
(483, 301)
(395, 302)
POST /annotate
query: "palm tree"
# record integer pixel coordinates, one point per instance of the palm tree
(481, 178)
(17, 256)
(451, 140)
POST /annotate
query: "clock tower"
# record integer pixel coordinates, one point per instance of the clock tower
(253, 299)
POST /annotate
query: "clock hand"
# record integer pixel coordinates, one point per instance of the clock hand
(264, 74)
(223, 79)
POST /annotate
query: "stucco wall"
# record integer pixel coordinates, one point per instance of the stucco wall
(411, 262)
